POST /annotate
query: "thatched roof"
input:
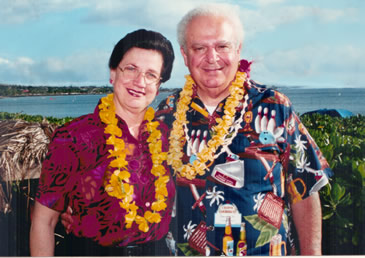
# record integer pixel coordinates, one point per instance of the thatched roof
(23, 146)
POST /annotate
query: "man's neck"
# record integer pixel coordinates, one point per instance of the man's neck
(212, 97)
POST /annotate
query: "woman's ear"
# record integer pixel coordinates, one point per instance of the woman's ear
(112, 76)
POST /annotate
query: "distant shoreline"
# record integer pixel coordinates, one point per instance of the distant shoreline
(50, 95)
(77, 103)
(70, 94)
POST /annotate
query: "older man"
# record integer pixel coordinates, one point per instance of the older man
(238, 150)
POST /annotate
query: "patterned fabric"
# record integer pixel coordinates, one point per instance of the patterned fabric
(280, 161)
(73, 174)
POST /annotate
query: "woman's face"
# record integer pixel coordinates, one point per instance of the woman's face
(133, 93)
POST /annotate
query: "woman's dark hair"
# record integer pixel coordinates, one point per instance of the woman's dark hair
(147, 40)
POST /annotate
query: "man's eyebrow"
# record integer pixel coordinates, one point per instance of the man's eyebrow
(220, 42)
(224, 42)
(197, 44)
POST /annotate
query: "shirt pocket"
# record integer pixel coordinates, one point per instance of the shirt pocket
(263, 170)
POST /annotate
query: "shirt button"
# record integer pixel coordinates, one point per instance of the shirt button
(147, 204)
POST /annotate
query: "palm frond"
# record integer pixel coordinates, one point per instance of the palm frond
(23, 146)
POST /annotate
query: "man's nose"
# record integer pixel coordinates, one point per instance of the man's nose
(211, 55)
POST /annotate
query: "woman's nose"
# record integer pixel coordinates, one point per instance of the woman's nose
(140, 79)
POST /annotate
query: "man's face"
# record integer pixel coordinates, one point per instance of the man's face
(211, 53)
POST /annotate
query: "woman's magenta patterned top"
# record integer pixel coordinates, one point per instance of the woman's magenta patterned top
(73, 175)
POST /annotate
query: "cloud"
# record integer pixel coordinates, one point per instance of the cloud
(155, 14)
(268, 2)
(4, 61)
(312, 65)
(115, 12)
(307, 64)
(76, 69)
(17, 12)
(266, 15)
(266, 18)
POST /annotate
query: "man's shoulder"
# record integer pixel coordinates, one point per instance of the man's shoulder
(169, 102)
(167, 108)
(261, 93)
(257, 88)
(172, 96)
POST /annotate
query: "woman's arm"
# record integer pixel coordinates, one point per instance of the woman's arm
(44, 220)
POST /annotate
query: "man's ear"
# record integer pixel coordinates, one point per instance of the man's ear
(239, 49)
(184, 55)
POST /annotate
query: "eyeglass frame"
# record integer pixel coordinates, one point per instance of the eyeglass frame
(158, 79)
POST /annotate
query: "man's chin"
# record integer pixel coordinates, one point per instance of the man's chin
(213, 83)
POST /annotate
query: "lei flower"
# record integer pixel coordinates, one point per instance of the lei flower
(118, 185)
(176, 139)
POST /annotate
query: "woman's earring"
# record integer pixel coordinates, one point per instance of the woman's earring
(111, 81)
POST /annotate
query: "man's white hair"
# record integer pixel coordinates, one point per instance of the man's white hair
(229, 12)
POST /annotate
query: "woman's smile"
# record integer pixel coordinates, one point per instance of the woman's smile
(135, 93)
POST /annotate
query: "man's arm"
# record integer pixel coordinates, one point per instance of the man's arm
(44, 220)
(307, 217)
(66, 220)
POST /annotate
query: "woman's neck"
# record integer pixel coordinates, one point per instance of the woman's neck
(133, 119)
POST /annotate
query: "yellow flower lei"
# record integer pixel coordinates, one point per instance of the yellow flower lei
(176, 139)
(118, 185)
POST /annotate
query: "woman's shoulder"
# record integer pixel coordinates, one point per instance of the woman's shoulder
(88, 124)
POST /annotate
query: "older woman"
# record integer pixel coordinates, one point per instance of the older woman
(109, 166)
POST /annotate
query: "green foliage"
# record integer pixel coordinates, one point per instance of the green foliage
(35, 118)
(342, 142)
(187, 250)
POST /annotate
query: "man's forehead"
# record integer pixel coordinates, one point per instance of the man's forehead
(210, 28)
(210, 42)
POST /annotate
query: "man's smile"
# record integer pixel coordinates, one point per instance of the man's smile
(212, 69)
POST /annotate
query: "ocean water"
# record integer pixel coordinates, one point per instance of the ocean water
(303, 100)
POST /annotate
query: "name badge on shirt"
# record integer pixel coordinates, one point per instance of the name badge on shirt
(227, 210)
(230, 173)
(271, 209)
(198, 239)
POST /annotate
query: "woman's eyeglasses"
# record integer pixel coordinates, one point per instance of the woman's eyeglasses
(131, 72)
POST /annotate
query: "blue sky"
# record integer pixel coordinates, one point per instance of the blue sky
(309, 43)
